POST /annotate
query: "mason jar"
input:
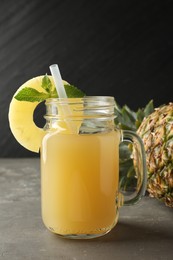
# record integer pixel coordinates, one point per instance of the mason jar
(80, 167)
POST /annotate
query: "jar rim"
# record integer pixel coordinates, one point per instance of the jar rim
(93, 99)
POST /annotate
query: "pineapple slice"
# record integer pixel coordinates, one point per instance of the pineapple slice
(21, 120)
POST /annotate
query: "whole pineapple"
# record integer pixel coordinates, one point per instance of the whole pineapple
(156, 132)
(155, 127)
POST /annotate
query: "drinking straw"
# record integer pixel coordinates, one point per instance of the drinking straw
(61, 93)
(58, 81)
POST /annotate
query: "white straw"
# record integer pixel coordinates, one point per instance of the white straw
(58, 81)
(62, 94)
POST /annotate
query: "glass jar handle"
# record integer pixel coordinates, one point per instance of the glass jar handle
(140, 168)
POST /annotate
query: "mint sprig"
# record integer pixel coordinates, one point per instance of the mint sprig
(32, 95)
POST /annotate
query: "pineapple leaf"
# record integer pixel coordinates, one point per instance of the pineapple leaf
(139, 117)
(131, 113)
(149, 108)
(129, 116)
(125, 118)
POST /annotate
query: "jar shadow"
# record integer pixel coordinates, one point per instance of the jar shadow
(124, 231)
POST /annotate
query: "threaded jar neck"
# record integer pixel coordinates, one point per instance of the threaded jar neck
(88, 114)
(86, 107)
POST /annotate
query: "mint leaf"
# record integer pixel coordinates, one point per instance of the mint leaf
(54, 94)
(73, 92)
(31, 95)
(46, 84)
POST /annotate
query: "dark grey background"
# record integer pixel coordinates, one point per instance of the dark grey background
(119, 48)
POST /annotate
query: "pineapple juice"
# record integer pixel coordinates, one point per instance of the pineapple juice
(80, 182)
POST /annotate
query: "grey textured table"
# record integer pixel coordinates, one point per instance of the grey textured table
(144, 231)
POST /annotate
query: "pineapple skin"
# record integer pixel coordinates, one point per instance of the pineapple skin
(156, 131)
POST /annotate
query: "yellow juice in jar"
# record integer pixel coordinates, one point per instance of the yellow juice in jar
(80, 182)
